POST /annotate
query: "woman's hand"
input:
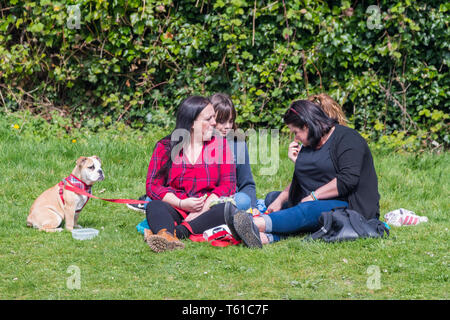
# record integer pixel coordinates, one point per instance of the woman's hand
(294, 149)
(308, 198)
(206, 207)
(275, 206)
(192, 204)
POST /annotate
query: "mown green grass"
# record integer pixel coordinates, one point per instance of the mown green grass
(413, 261)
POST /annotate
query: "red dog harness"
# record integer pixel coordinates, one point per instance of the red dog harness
(77, 183)
(74, 184)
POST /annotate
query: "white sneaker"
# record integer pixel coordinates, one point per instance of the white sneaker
(139, 206)
(403, 217)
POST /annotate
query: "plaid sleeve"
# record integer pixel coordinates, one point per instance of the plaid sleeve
(155, 186)
(227, 171)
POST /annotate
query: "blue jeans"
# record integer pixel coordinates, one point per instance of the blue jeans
(304, 217)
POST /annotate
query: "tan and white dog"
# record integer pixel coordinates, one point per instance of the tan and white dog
(56, 204)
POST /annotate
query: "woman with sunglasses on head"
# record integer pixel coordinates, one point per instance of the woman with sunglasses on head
(333, 110)
(333, 168)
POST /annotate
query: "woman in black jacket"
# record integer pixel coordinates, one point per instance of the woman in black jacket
(334, 168)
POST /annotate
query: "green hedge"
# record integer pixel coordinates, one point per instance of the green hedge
(134, 61)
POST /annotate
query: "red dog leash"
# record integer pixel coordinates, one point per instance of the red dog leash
(77, 190)
(219, 239)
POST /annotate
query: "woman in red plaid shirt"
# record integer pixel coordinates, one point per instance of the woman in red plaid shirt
(189, 169)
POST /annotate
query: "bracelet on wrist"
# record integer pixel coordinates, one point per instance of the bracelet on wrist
(313, 195)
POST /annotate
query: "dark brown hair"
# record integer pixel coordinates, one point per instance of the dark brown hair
(224, 108)
(303, 113)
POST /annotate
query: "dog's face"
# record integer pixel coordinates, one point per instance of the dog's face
(90, 169)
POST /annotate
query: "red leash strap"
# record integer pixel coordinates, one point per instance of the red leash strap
(219, 239)
(84, 193)
(226, 241)
(197, 238)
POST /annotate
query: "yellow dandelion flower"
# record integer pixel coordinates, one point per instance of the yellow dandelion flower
(74, 140)
(16, 126)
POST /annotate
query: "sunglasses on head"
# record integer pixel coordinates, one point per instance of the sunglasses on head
(293, 110)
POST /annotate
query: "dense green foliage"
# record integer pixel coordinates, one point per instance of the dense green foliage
(135, 60)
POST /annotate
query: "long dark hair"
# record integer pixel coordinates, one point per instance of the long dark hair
(303, 113)
(187, 113)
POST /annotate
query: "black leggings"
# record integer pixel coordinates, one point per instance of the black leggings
(161, 215)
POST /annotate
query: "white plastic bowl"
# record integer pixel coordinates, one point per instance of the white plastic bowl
(84, 234)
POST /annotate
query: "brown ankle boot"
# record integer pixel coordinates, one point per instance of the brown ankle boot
(147, 233)
(163, 241)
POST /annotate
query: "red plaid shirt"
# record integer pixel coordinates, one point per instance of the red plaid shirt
(214, 172)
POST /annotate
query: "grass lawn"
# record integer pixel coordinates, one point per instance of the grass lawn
(412, 262)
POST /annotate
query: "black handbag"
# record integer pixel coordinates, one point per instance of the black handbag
(341, 224)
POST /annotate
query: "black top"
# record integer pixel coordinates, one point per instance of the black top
(314, 168)
(357, 181)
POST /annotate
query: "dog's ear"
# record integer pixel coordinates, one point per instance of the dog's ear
(81, 161)
(96, 157)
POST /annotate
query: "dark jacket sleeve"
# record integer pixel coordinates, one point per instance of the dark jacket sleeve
(295, 193)
(349, 155)
(244, 177)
